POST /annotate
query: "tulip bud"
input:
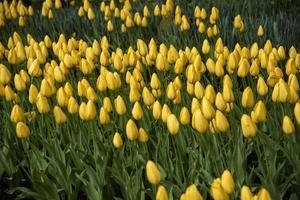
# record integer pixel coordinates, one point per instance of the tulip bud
(193, 193)
(247, 98)
(5, 75)
(82, 111)
(42, 104)
(280, 92)
(117, 140)
(137, 111)
(287, 125)
(165, 113)
(184, 116)
(120, 106)
(248, 126)
(91, 110)
(107, 104)
(148, 98)
(260, 31)
(22, 130)
(220, 102)
(227, 182)
(207, 109)
(221, 122)
(155, 82)
(244, 68)
(59, 115)
(259, 113)
(16, 114)
(297, 112)
(205, 47)
(171, 91)
(143, 136)
(91, 14)
(131, 130)
(172, 124)
(152, 172)
(61, 97)
(157, 110)
(262, 88)
(162, 193)
(216, 190)
(142, 47)
(199, 122)
(246, 193)
(104, 116)
(198, 90)
(72, 105)
(263, 194)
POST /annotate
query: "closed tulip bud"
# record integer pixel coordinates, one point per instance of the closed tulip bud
(293, 82)
(42, 104)
(247, 98)
(198, 90)
(157, 110)
(143, 136)
(137, 111)
(297, 112)
(259, 113)
(171, 94)
(120, 105)
(91, 94)
(22, 130)
(117, 140)
(217, 192)
(254, 50)
(91, 14)
(261, 87)
(165, 113)
(232, 63)
(244, 68)
(246, 193)
(20, 84)
(72, 105)
(199, 122)
(287, 125)
(34, 68)
(260, 31)
(220, 102)
(107, 104)
(210, 93)
(131, 130)
(172, 124)
(207, 109)
(148, 97)
(110, 26)
(80, 11)
(280, 92)
(222, 123)
(91, 110)
(33, 93)
(205, 47)
(101, 83)
(248, 126)
(82, 111)
(5, 75)
(16, 114)
(184, 116)
(263, 194)
(227, 182)
(59, 115)
(104, 116)
(162, 193)
(193, 193)
(142, 47)
(45, 88)
(152, 173)
(9, 94)
(61, 97)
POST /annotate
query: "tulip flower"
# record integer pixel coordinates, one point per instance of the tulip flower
(246, 193)
(227, 182)
(287, 125)
(152, 173)
(16, 114)
(193, 193)
(131, 130)
(143, 136)
(172, 124)
(247, 98)
(248, 126)
(22, 130)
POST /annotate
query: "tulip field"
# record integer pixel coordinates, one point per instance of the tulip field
(134, 100)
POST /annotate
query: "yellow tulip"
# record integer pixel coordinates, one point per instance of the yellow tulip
(16, 114)
(91, 110)
(205, 47)
(244, 68)
(165, 113)
(42, 104)
(162, 193)
(246, 193)
(137, 111)
(91, 14)
(207, 109)
(120, 105)
(172, 124)
(22, 130)
(104, 116)
(259, 113)
(227, 182)
(152, 173)
(247, 98)
(248, 126)
(263, 194)
(220, 102)
(143, 136)
(61, 97)
(297, 112)
(156, 110)
(260, 31)
(261, 87)
(184, 116)
(72, 105)
(287, 125)
(193, 193)
(199, 122)
(82, 111)
(5, 75)
(198, 90)
(217, 192)
(148, 98)
(20, 84)
(117, 140)
(131, 130)
(222, 123)
(59, 115)
(280, 92)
